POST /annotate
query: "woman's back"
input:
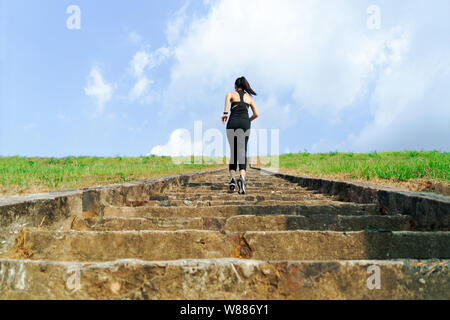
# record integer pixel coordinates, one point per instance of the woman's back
(235, 97)
(240, 104)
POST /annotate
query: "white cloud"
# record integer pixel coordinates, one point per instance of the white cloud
(138, 64)
(283, 46)
(318, 57)
(142, 62)
(179, 144)
(411, 109)
(98, 89)
(276, 115)
(140, 89)
(177, 24)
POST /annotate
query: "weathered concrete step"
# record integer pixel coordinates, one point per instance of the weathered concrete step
(248, 183)
(209, 203)
(232, 210)
(252, 182)
(225, 279)
(226, 179)
(207, 182)
(261, 245)
(130, 224)
(225, 191)
(317, 222)
(234, 196)
(224, 187)
(248, 223)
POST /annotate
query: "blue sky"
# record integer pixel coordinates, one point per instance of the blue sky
(139, 71)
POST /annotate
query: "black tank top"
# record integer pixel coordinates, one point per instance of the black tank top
(239, 109)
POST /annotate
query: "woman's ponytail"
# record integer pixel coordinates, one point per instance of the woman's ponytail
(243, 84)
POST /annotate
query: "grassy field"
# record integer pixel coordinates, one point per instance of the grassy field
(396, 166)
(406, 169)
(21, 175)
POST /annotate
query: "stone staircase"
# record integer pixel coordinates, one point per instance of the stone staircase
(196, 240)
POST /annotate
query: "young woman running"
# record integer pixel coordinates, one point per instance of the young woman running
(238, 129)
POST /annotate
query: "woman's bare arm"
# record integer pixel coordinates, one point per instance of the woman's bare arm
(227, 103)
(254, 110)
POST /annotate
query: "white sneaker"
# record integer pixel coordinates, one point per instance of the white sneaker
(232, 184)
(241, 185)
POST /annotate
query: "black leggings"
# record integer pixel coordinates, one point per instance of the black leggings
(238, 133)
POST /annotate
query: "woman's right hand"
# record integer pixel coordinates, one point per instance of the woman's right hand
(224, 118)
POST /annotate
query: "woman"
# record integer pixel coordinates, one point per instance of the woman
(238, 129)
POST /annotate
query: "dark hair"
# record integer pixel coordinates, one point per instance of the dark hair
(242, 83)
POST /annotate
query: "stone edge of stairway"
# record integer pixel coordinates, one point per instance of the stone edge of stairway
(44, 209)
(429, 211)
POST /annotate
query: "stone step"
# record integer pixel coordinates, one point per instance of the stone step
(215, 203)
(249, 189)
(225, 191)
(226, 179)
(261, 245)
(130, 224)
(233, 196)
(317, 222)
(248, 184)
(232, 210)
(248, 223)
(224, 279)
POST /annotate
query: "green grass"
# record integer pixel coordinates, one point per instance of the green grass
(19, 175)
(24, 175)
(395, 166)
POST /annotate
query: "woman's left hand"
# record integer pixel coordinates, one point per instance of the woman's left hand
(224, 118)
